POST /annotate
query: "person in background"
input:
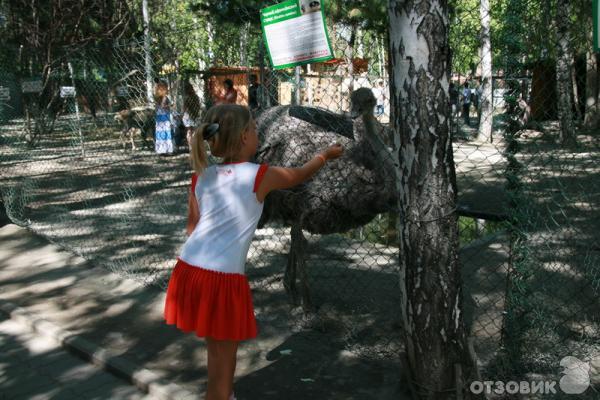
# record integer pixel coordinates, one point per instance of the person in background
(163, 135)
(255, 94)
(380, 96)
(191, 110)
(229, 95)
(466, 103)
(453, 94)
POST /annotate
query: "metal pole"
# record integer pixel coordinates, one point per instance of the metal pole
(297, 81)
(262, 98)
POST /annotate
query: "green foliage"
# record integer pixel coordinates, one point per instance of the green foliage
(231, 11)
(464, 35)
(370, 15)
(522, 33)
(179, 36)
(468, 229)
(60, 28)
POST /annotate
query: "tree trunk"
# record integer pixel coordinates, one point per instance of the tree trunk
(430, 282)
(575, 91)
(592, 91)
(485, 102)
(563, 74)
(199, 55)
(147, 56)
(297, 99)
(211, 38)
(349, 56)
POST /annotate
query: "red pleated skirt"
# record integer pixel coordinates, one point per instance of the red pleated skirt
(210, 303)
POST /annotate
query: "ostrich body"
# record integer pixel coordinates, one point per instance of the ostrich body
(347, 193)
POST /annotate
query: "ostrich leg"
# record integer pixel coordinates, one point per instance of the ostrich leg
(296, 268)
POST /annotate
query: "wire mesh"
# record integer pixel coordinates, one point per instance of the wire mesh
(81, 169)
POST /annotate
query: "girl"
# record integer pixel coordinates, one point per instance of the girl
(163, 136)
(208, 292)
(230, 94)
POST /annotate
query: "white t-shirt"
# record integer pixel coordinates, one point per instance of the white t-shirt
(229, 214)
(379, 94)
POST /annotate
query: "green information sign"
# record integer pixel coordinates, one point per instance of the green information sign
(596, 14)
(295, 33)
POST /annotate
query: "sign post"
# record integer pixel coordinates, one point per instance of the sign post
(596, 17)
(67, 91)
(295, 33)
(32, 86)
(4, 93)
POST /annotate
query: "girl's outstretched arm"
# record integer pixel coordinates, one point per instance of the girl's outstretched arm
(283, 178)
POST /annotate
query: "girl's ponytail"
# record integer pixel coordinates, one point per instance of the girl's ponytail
(198, 150)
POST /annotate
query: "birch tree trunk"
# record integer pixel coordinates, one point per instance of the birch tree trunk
(199, 54)
(575, 91)
(485, 102)
(592, 85)
(349, 55)
(147, 56)
(563, 74)
(592, 91)
(430, 282)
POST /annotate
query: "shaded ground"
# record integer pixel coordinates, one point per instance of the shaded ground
(560, 219)
(33, 367)
(126, 211)
(126, 318)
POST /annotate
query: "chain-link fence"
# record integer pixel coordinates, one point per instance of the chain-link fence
(79, 167)
(547, 186)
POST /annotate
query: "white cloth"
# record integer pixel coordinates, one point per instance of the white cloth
(188, 122)
(229, 214)
(380, 95)
(163, 134)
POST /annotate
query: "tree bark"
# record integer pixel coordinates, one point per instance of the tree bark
(349, 55)
(430, 283)
(485, 102)
(592, 85)
(563, 74)
(575, 91)
(147, 56)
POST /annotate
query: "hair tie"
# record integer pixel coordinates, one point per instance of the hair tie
(211, 130)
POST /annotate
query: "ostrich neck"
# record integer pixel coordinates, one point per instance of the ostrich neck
(384, 156)
(373, 137)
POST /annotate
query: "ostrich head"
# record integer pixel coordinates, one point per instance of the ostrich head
(363, 102)
(370, 133)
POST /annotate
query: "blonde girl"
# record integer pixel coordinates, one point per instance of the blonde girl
(208, 291)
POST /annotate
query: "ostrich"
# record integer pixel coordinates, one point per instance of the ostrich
(347, 193)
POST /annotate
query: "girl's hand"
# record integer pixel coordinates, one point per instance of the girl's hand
(332, 152)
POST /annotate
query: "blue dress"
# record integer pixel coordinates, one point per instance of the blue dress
(163, 136)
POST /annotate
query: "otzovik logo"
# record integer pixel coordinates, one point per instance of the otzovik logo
(576, 377)
(575, 380)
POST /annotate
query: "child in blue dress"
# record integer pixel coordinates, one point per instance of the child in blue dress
(163, 134)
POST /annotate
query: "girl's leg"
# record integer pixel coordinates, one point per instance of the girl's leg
(221, 368)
